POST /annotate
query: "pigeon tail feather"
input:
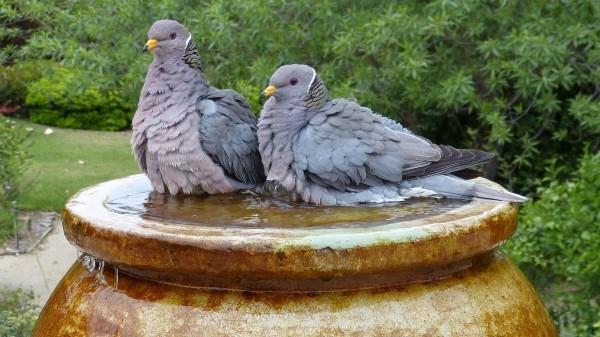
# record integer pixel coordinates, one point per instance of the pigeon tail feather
(454, 187)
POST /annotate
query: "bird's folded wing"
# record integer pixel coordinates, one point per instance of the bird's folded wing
(228, 135)
(346, 145)
(392, 124)
(452, 160)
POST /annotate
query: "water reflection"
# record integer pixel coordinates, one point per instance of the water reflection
(251, 210)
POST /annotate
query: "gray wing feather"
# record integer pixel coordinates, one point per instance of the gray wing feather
(451, 159)
(228, 135)
(392, 124)
(345, 146)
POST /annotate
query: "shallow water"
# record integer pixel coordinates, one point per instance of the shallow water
(251, 210)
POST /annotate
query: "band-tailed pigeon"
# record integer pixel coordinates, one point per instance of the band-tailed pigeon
(334, 151)
(188, 136)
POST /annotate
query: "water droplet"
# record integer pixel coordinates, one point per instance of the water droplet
(93, 264)
(100, 274)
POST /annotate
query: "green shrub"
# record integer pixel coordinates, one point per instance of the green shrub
(12, 163)
(18, 20)
(15, 79)
(17, 313)
(558, 246)
(62, 99)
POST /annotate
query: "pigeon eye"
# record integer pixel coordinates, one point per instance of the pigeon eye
(173, 36)
(294, 81)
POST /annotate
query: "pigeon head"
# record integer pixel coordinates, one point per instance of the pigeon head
(297, 81)
(168, 39)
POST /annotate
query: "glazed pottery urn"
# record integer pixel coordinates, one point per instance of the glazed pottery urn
(248, 265)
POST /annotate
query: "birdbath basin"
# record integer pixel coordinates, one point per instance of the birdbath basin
(249, 265)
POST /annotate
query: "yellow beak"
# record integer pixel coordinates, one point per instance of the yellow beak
(269, 91)
(150, 44)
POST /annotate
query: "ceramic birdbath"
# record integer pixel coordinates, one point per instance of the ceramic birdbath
(248, 265)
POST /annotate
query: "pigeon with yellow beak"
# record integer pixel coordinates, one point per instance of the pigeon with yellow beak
(189, 137)
(334, 151)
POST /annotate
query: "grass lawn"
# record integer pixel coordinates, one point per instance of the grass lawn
(67, 160)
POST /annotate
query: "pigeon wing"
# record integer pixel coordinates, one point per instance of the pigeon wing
(345, 146)
(452, 160)
(228, 135)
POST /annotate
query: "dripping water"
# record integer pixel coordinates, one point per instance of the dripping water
(89, 262)
(94, 265)
(100, 273)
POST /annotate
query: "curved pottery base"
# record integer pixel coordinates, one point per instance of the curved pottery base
(249, 265)
(490, 300)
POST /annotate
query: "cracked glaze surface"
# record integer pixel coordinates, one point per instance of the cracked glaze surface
(484, 301)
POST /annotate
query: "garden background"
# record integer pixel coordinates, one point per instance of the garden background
(518, 78)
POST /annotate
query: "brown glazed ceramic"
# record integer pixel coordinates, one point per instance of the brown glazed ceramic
(248, 265)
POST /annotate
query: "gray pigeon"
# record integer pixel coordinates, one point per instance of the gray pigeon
(334, 151)
(188, 136)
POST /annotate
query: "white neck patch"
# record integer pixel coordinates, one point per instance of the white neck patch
(312, 80)
(187, 42)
